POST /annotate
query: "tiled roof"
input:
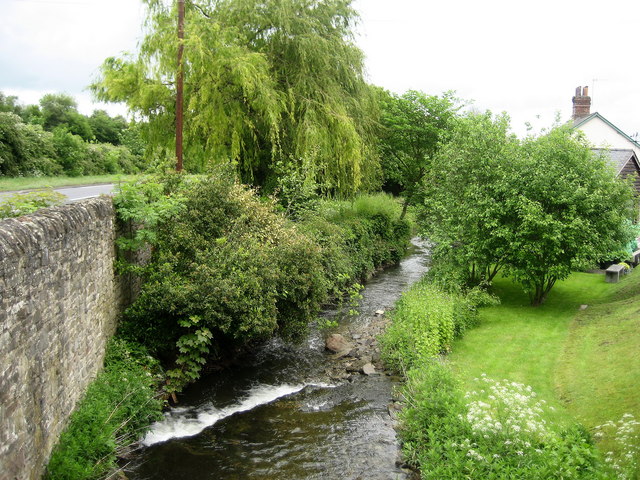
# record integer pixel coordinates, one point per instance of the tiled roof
(617, 157)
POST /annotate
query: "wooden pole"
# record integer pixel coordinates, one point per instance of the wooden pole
(180, 87)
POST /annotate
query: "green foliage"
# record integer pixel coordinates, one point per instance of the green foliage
(264, 81)
(114, 412)
(60, 110)
(107, 129)
(227, 269)
(426, 319)
(25, 203)
(147, 204)
(535, 210)
(72, 152)
(462, 210)
(495, 432)
(414, 127)
(623, 437)
(296, 191)
(54, 140)
(25, 149)
(318, 70)
(571, 211)
(357, 237)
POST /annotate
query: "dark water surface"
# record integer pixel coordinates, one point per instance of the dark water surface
(278, 416)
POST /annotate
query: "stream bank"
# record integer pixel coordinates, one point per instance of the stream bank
(292, 411)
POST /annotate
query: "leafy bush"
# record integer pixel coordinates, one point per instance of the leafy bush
(425, 321)
(498, 431)
(367, 232)
(117, 407)
(227, 269)
(25, 203)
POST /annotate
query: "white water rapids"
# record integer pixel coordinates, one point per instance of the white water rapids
(185, 422)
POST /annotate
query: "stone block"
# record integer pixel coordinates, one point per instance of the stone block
(612, 274)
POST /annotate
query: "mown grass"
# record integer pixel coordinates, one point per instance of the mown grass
(584, 363)
(29, 183)
(599, 368)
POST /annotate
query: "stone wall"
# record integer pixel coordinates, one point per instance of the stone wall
(59, 299)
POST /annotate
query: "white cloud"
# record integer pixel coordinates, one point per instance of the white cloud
(522, 57)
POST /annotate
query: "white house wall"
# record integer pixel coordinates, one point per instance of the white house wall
(602, 135)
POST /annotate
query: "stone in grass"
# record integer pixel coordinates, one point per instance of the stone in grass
(336, 343)
(379, 313)
(584, 307)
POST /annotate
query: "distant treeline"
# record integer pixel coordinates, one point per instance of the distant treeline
(53, 138)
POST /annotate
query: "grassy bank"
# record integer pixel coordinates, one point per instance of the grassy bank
(118, 406)
(29, 183)
(526, 392)
(584, 362)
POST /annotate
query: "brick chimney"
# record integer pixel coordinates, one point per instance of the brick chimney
(581, 103)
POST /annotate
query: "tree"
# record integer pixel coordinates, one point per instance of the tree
(461, 199)
(13, 150)
(9, 104)
(415, 126)
(571, 211)
(264, 81)
(25, 149)
(535, 209)
(60, 110)
(107, 129)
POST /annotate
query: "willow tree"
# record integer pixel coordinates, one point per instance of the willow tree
(266, 82)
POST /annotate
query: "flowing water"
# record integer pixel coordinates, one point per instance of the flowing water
(278, 416)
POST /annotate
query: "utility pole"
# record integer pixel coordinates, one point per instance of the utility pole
(180, 87)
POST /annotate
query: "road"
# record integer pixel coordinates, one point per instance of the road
(75, 194)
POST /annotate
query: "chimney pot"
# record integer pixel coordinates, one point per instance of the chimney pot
(581, 103)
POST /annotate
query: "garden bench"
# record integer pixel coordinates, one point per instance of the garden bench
(612, 274)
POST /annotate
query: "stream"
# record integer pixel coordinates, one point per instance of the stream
(283, 414)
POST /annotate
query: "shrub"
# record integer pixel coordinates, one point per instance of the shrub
(227, 269)
(498, 431)
(621, 440)
(72, 153)
(425, 321)
(25, 149)
(107, 158)
(114, 412)
(369, 231)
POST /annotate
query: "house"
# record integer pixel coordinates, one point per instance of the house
(622, 151)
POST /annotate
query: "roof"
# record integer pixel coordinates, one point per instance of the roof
(617, 157)
(581, 121)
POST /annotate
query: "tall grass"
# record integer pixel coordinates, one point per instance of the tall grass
(114, 412)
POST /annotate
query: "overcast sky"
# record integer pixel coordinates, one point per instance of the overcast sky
(525, 58)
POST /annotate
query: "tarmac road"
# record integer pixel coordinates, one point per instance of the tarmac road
(75, 194)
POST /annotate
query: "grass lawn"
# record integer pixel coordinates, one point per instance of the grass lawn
(585, 363)
(28, 183)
